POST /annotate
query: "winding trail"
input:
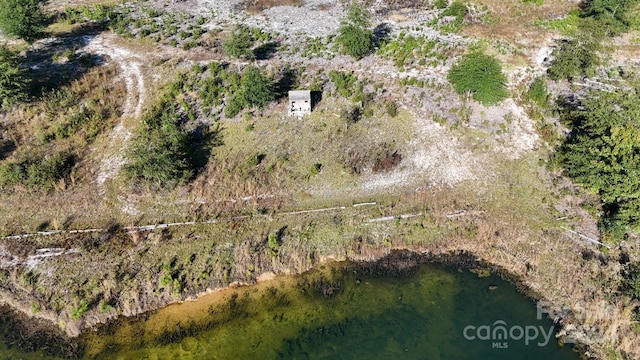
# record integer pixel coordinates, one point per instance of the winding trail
(131, 69)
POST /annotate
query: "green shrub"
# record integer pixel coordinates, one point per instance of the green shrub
(578, 56)
(391, 108)
(14, 83)
(315, 169)
(441, 4)
(344, 82)
(212, 89)
(273, 245)
(406, 49)
(481, 75)
(233, 106)
(22, 18)
(161, 154)
(538, 92)
(354, 41)
(255, 89)
(355, 37)
(77, 312)
(165, 280)
(575, 57)
(38, 171)
(98, 12)
(351, 115)
(602, 154)
(611, 15)
(240, 43)
(457, 9)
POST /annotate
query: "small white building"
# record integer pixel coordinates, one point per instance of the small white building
(299, 103)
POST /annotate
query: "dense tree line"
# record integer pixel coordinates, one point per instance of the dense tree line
(603, 154)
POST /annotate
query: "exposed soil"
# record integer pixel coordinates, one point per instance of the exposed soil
(130, 65)
(454, 141)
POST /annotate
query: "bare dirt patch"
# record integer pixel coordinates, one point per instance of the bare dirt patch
(257, 6)
(130, 65)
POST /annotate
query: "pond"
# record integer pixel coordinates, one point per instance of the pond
(342, 311)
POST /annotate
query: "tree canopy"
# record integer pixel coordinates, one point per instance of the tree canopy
(603, 154)
(22, 18)
(14, 83)
(240, 43)
(612, 15)
(255, 89)
(481, 75)
(355, 37)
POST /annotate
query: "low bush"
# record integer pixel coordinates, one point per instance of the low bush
(240, 43)
(344, 82)
(391, 108)
(255, 89)
(161, 154)
(14, 83)
(351, 115)
(575, 57)
(22, 18)
(481, 76)
(38, 171)
(538, 92)
(355, 37)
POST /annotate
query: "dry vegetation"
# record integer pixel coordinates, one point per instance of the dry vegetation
(265, 168)
(257, 6)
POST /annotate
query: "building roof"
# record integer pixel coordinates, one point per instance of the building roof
(299, 95)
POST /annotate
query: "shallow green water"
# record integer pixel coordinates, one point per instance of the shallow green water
(341, 313)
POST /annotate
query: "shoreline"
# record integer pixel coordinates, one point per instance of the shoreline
(393, 260)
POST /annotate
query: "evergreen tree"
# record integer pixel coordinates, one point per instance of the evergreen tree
(603, 154)
(240, 43)
(14, 83)
(22, 18)
(355, 37)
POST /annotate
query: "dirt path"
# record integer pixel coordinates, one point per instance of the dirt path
(131, 71)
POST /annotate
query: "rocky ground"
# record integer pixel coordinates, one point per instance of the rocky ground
(469, 180)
